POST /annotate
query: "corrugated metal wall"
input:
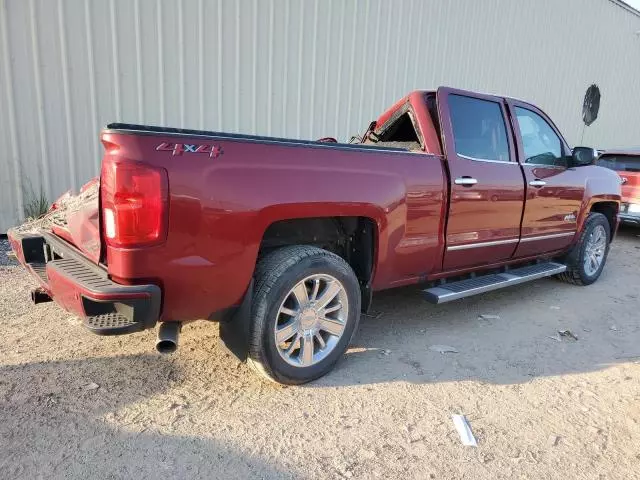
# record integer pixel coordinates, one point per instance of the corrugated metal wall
(288, 68)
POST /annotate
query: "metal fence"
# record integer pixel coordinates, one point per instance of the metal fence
(298, 68)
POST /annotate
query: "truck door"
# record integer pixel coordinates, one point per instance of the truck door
(554, 192)
(486, 183)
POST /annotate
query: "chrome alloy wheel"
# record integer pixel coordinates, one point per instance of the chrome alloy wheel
(594, 250)
(311, 320)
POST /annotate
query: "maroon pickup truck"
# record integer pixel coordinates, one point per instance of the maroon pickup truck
(284, 241)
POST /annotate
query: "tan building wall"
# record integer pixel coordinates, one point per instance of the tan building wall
(296, 68)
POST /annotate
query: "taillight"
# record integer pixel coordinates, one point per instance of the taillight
(134, 203)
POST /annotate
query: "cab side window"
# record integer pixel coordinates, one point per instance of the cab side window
(540, 143)
(479, 130)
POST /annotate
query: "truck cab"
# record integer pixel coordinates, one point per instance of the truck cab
(513, 184)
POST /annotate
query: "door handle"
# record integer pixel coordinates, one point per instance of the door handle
(466, 181)
(537, 183)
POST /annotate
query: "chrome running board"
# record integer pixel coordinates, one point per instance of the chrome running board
(486, 283)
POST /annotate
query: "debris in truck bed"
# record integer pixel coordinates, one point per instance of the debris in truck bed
(57, 214)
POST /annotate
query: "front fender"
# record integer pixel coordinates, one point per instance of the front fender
(602, 185)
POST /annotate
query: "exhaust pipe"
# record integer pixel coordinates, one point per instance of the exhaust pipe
(168, 337)
(39, 295)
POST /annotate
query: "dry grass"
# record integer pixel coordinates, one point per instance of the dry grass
(36, 203)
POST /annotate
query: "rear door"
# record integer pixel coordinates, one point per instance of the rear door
(554, 192)
(486, 182)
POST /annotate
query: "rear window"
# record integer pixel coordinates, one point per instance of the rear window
(479, 131)
(620, 163)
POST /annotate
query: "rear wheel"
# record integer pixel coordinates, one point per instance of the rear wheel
(586, 261)
(305, 310)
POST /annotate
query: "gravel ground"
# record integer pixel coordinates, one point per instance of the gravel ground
(5, 248)
(74, 405)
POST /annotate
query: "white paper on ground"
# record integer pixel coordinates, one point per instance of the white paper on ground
(464, 430)
(443, 349)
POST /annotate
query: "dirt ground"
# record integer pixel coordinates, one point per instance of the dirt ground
(75, 405)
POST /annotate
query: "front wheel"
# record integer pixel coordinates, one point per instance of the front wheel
(586, 260)
(305, 310)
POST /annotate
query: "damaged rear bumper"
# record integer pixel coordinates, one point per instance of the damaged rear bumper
(84, 288)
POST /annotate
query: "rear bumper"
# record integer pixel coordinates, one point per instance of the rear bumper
(84, 288)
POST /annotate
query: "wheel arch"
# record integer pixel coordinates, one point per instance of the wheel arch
(353, 238)
(610, 210)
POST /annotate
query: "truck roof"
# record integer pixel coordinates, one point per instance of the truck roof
(388, 112)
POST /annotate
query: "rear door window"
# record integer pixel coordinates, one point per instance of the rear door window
(479, 129)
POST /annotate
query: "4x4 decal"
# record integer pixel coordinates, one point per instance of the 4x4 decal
(214, 151)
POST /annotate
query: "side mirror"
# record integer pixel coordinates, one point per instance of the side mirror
(582, 156)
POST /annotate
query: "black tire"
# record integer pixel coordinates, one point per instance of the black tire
(276, 274)
(574, 261)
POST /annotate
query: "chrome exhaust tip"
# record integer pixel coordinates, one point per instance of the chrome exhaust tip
(168, 337)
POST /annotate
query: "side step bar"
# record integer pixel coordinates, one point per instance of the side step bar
(473, 286)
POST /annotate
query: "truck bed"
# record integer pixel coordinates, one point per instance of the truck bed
(155, 130)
